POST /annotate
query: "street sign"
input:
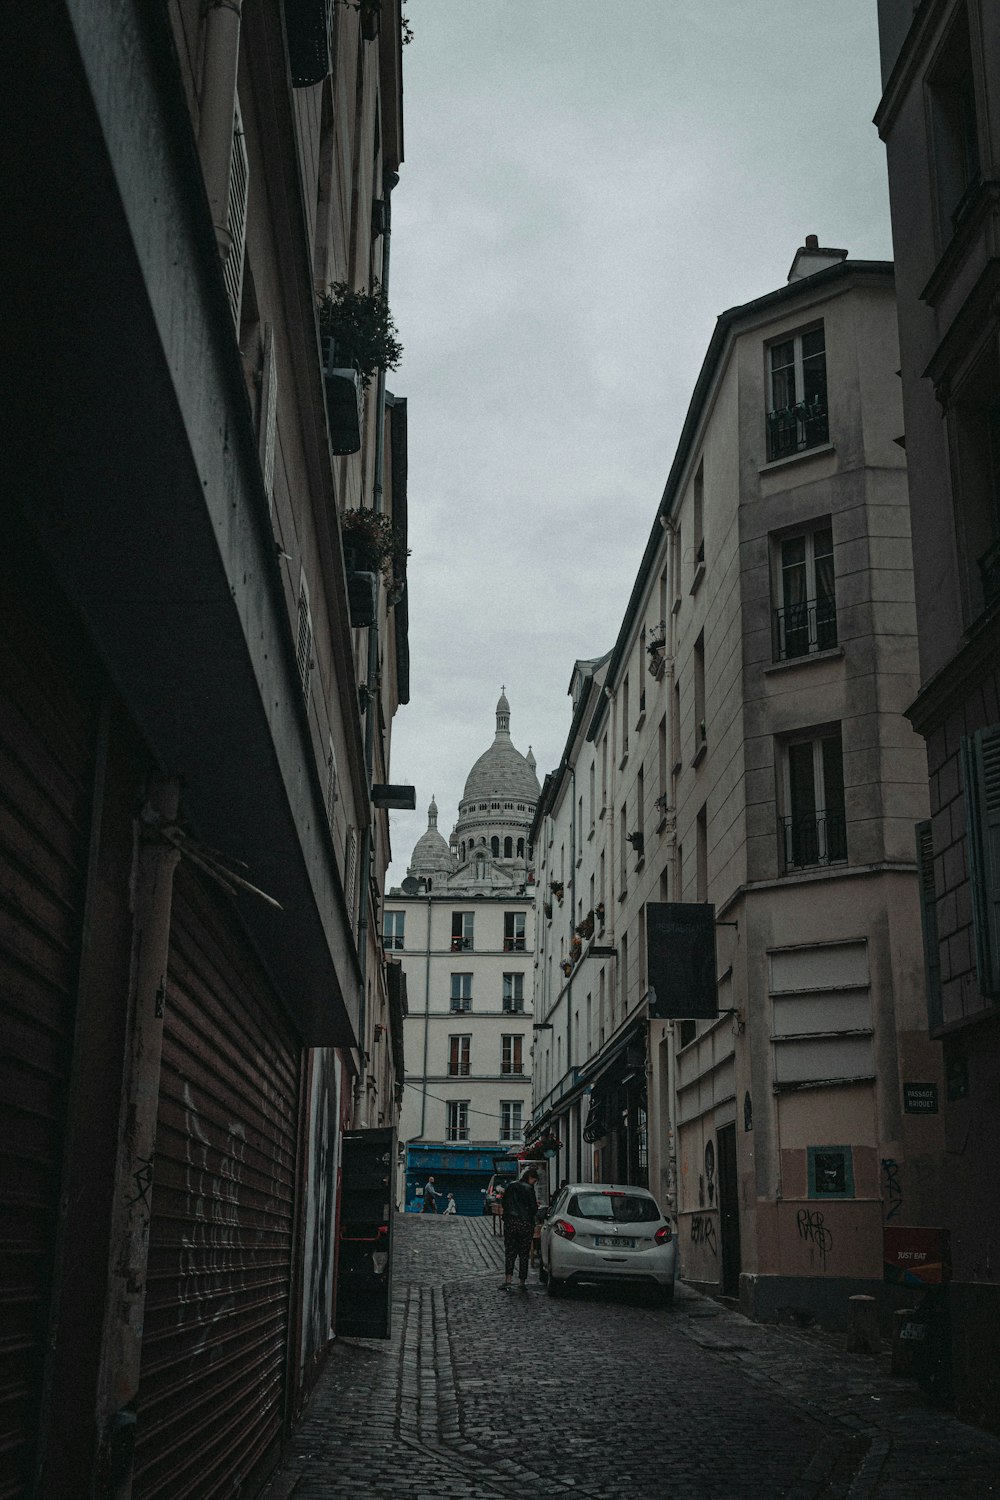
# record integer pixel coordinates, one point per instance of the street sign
(920, 1098)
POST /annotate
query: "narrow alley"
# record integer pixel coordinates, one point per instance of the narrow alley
(479, 1393)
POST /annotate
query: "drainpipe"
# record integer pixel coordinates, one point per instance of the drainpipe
(389, 181)
(673, 563)
(427, 1022)
(572, 928)
(154, 862)
(217, 110)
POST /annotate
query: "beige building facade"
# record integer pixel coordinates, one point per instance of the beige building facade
(746, 744)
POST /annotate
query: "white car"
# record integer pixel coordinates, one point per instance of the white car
(603, 1232)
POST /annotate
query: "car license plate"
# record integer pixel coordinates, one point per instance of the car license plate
(614, 1242)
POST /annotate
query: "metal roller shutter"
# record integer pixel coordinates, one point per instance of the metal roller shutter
(212, 1387)
(46, 772)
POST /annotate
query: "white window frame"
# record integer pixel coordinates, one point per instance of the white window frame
(461, 1002)
(395, 940)
(464, 1054)
(513, 993)
(511, 1120)
(510, 1067)
(820, 810)
(457, 1120)
(808, 536)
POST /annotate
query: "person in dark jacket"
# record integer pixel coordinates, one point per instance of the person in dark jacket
(520, 1206)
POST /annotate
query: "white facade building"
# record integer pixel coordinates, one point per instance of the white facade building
(463, 928)
(744, 745)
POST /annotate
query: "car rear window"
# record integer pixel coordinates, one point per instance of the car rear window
(620, 1208)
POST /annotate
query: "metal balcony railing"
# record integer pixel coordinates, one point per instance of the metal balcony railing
(513, 945)
(800, 629)
(793, 429)
(814, 839)
(461, 944)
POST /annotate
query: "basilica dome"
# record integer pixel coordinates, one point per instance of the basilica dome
(502, 771)
(431, 855)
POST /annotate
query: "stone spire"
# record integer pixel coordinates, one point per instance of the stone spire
(503, 715)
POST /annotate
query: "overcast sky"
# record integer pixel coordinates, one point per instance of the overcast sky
(587, 184)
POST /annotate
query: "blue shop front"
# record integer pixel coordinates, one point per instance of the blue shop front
(462, 1170)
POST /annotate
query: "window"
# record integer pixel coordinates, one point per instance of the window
(700, 724)
(461, 992)
(604, 773)
(701, 854)
(511, 1124)
(974, 429)
(797, 413)
(462, 931)
(332, 792)
(698, 510)
(625, 717)
(236, 216)
(593, 794)
(981, 783)
(955, 134)
(459, 1049)
(393, 927)
(814, 826)
(513, 992)
(458, 1120)
(508, 848)
(511, 1054)
(623, 842)
(640, 812)
(806, 619)
(495, 847)
(513, 932)
(662, 797)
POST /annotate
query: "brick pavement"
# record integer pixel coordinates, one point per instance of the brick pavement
(597, 1395)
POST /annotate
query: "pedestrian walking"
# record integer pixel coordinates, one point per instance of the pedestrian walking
(431, 1195)
(520, 1206)
(451, 1207)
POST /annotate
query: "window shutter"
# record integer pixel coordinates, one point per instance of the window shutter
(928, 923)
(981, 774)
(236, 218)
(331, 784)
(268, 414)
(303, 644)
(351, 877)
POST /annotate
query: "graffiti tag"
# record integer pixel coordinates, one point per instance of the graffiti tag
(703, 1232)
(893, 1187)
(813, 1230)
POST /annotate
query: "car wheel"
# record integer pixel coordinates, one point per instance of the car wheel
(553, 1285)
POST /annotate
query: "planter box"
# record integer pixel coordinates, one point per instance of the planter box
(307, 27)
(344, 395)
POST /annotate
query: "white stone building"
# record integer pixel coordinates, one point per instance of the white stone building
(463, 928)
(744, 745)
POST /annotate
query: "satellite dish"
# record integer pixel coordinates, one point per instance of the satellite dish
(411, 885)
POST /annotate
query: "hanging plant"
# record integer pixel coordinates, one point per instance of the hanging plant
(586, 927)
(556, 887)
(375, 543)
(362, 328)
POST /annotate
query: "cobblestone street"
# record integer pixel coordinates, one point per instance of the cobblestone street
(479, 1393)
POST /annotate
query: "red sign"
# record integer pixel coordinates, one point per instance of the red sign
(913, 1256)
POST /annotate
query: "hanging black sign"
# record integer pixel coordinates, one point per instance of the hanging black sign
(680, 960)
(364, 1272)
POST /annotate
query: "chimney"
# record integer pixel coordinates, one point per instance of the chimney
(812, 257)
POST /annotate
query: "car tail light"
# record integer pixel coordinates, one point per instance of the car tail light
(663, 1234)
(565, 1228)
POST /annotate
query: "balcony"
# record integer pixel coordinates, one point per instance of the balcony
(793, 429)
(811, 839)
(513, 1007)
(513, 945)
(801, 629)
(461, 944)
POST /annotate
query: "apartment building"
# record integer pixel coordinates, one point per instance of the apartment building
(744, 745)
(193, 992)
(462, 927)
(938, 118)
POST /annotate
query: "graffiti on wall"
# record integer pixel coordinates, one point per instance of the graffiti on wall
(703, 1232)
(318, 1247)
(892, 1188)
(812, 1229)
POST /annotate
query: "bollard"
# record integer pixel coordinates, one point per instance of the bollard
(863, 1335)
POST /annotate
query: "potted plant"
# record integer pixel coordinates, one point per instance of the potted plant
(556, 887)
(586, 927)
(547, 910)
(357, 337)
(372, 544)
